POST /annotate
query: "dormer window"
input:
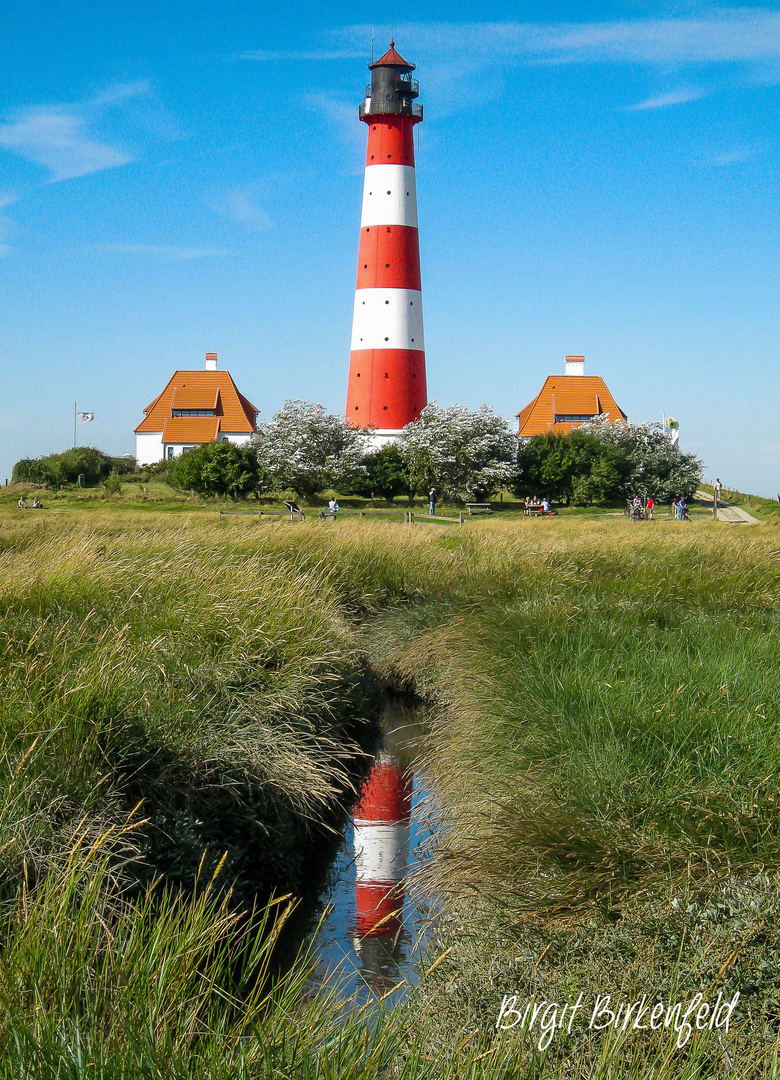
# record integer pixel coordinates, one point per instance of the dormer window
(193, 412)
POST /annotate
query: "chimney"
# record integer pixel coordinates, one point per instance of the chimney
(211, 361)
(575, 365)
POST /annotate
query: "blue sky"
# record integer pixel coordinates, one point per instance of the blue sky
(598, 179)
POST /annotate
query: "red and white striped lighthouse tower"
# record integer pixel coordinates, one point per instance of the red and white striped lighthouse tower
(382, 822)
(387, 363)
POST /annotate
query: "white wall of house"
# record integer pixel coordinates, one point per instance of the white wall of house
(238, 438)
(148, 447)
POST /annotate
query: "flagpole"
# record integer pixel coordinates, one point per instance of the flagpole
(75, 414)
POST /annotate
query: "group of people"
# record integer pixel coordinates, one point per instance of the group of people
(534, 506)
(36, 504)
(642, 509)
(680, 509)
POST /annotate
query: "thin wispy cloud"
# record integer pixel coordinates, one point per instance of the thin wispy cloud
(56, 138)
(673, 97)
(240, 205)
(163, 251)
(67, 140)
(727, 36)
(7, 198)
(269, 55)
(140, 106)
(338, 114)
(737, 156)
(119, 93)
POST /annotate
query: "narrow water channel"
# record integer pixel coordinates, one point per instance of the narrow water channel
(373, 924)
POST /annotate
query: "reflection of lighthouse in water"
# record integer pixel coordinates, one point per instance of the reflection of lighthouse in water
(382, 818)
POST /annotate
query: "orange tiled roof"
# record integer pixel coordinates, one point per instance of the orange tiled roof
(567, 395)
(235, 412)
(190, 429)
(195, 397)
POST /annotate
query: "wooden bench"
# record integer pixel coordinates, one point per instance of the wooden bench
(328, 515)
(478, 508)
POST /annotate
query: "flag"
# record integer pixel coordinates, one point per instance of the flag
(86, 417)
(672, 429)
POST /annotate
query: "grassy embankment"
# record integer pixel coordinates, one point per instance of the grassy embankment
(603, 741)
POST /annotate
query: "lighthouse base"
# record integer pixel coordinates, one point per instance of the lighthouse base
(375, 438)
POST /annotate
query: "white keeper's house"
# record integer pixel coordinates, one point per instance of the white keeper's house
(196, 407)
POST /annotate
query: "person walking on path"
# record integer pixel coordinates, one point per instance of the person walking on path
(717, 487)
(432, 501)
(650, 506)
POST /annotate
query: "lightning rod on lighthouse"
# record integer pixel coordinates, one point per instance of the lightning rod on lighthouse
(387, 386)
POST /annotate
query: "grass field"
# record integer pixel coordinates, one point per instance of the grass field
(603, 715)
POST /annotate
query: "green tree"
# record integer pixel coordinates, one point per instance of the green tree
(217, 468)
(653, 465)
(601, 461)
(54, 470)
(384, 473)
(577, 467)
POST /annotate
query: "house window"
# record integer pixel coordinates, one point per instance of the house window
(572, 418)
(169, 452)
(192, 412)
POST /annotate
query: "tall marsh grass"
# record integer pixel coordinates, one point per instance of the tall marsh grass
(182, 699)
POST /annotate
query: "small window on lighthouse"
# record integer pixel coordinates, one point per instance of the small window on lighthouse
(387, 301)
(388, 193)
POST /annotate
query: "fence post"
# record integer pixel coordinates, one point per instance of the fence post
(460, 515)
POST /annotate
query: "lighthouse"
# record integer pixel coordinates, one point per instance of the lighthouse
(387, 387)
